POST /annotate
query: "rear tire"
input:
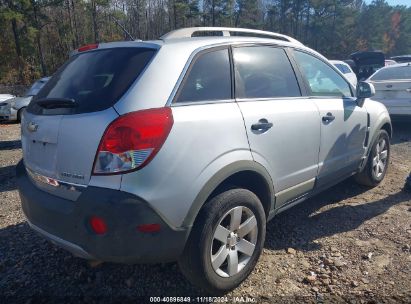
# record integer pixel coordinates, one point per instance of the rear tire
(377, 163)
(226, 241)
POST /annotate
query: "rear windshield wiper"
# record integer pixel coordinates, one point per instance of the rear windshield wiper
(56, 103)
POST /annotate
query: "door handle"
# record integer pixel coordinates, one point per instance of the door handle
(408, 90)
(262, 125)
(328, 118)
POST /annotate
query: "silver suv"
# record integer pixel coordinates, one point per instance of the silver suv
(184, 147)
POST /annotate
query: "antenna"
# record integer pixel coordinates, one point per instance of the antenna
(123, 28)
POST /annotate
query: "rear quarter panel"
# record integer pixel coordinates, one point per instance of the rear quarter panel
(203, 139)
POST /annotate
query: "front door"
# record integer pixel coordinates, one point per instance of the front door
(343, 122)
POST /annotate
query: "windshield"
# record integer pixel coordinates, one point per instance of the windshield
(398, 73)
(95, 80)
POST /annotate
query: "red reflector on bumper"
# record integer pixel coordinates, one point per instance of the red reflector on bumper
(98, 225)
(149, 228)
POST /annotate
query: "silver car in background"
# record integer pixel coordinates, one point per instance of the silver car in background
(181, 149)
(393, 89)
(12, 108)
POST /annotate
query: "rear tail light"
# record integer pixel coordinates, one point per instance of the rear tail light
(131, 141)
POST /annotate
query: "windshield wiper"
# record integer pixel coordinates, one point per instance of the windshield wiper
(56, 103)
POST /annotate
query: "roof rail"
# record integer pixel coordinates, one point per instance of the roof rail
(227, 31)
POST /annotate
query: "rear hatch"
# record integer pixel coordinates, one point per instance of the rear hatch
(367, 62)
(393, 86)
(65, 122)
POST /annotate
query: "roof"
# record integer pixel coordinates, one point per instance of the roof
(190, 32)
(191, 42)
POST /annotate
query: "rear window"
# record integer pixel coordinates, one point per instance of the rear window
(403, 72)
(94, 80)
(343, 68)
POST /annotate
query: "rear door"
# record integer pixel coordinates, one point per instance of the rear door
(282, 126)
(65, 122)
(343, 122)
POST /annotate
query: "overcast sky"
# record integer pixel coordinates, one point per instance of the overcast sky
(395, 2)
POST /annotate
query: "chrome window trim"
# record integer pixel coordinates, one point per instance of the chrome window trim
(270, 98)
(203, 102)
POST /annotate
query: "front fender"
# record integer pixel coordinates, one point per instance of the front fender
(379, 118)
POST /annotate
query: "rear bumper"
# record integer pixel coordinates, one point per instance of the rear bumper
(65, 223)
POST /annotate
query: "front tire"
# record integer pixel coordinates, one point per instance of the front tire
(226, 241)
(377, 163)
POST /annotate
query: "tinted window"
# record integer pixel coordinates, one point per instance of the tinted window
(264, 72)
(403, 72)
(95, 80)
(209, 78)
(321, 78)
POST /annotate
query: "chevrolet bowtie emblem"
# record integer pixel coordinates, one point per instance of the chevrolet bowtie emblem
(32, 127)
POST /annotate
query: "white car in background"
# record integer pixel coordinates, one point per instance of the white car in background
(393, 88)
(346, 70)
(4, 97)
(12, 108)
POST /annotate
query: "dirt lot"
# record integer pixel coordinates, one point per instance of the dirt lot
(349, 244)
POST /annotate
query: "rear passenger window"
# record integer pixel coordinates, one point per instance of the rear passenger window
(264, 72)
(209, 78)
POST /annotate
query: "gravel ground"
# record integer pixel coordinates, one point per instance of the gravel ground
(348, 244)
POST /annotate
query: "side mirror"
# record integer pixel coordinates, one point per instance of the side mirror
(364, 90)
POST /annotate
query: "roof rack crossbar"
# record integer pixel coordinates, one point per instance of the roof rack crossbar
(227, 31)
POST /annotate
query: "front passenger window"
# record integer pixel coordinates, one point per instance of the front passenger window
(321, 78)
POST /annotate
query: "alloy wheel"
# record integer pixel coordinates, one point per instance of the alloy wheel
(379, 161)
(234, 241)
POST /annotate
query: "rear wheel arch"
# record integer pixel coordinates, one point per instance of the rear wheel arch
(243, 174)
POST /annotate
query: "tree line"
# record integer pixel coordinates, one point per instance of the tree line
(36, 36)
